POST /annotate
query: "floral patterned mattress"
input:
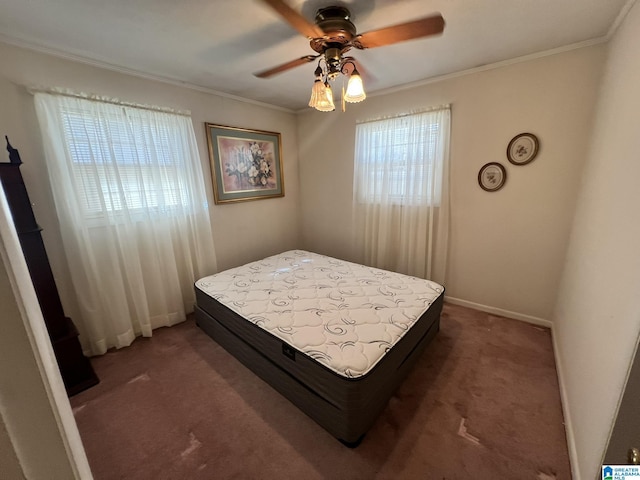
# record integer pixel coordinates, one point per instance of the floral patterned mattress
(344, 315)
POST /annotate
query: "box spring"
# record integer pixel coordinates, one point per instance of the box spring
(345, 407)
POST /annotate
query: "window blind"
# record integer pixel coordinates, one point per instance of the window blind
(122, 162)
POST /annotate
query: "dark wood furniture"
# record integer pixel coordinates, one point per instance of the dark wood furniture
(75, 368)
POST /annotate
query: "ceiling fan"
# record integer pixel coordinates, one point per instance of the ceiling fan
(332, 35)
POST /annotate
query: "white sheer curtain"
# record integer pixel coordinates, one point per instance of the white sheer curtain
(130, 197)
(401, 193)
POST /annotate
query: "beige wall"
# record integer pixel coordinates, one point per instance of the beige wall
(597, 318)
(242, 232)
(506, 248)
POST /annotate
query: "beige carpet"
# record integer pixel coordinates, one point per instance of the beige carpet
(482, 403)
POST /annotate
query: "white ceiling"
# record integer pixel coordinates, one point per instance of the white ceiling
(218, 44)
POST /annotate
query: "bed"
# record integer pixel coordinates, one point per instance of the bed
(334, 337)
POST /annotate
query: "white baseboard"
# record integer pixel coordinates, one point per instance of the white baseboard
(499, 311)
(566, 413)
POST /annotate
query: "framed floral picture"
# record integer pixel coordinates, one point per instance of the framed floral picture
(245, 164)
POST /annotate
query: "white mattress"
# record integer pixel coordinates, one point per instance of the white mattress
(344, 315)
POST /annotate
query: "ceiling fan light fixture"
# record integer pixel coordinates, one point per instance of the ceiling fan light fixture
(325, 101)
(317, 93)
(355, 88)
(331, 36)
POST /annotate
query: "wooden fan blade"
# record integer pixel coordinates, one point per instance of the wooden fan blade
(286, 66)
(399, 33)
(294, 19)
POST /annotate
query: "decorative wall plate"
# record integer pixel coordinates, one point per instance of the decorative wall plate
(492, 176)
(522, 148)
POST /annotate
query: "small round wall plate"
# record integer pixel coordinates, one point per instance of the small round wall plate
(522, 148)
(492, 176)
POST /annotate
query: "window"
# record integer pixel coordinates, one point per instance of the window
(130, 196)
(123, 161)
(396, 160)
(401, 208)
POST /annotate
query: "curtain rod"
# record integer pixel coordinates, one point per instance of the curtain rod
(406, 114)
(100, 98)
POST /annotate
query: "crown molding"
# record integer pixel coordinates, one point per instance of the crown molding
(79, 58)
(99, 63)
(626, 8)
(495, 65)
(484, 68)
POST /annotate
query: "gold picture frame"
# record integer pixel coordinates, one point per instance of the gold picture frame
(245, 164)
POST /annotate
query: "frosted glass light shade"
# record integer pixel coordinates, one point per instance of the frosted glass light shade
(325, 102)
(317, 93)
(355, 89)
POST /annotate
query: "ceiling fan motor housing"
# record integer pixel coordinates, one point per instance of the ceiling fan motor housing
(337, 27)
